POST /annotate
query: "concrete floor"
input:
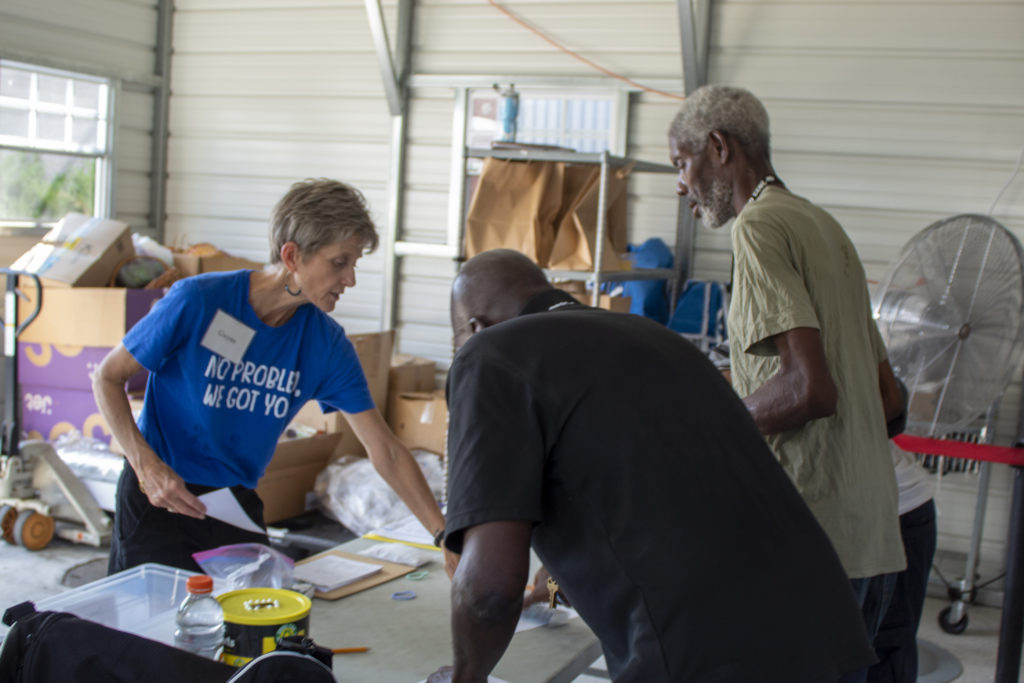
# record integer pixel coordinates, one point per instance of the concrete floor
(34, 575)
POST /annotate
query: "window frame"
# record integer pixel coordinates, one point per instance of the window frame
(103, 158)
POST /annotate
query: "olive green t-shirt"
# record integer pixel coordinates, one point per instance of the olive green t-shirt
(796, 267)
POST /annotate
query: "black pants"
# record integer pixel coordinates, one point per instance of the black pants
(896, 642)
(145, 533)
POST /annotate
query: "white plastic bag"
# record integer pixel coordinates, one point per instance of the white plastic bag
(351, 492)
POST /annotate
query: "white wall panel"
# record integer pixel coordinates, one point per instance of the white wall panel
(634, 38)
(266, 94)
(108, 37)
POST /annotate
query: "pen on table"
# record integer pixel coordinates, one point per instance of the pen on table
(347, 650)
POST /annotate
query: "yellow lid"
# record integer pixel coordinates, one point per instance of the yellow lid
(264, 606)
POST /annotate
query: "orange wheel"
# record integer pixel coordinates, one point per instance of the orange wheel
(8, 516)
(33, 530)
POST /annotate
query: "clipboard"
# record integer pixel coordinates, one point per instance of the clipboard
(389, 571)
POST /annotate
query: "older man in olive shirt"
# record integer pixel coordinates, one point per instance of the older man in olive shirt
(806, 354)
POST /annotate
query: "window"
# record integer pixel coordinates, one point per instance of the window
(55, 129)
(583, 122)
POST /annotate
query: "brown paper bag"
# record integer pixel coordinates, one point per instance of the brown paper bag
(514, 207)
(575, 246)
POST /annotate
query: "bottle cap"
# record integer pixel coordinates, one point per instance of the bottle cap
(200, 583)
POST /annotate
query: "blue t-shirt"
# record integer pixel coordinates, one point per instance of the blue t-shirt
(217, 422)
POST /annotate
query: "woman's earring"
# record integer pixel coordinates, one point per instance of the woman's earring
(289, 290)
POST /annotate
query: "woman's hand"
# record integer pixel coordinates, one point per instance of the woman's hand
(165, 489)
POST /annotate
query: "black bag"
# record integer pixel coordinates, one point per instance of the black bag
(283, 666)
(57, 647)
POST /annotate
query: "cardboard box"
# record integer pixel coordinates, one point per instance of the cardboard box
(616, 304)
(66, 367)
(291, 474)
(421, 420)
(409, 373)
(48, 412)
(84, 316)
(80, 251)
(578, 289)
(194, 265)
(374, 351)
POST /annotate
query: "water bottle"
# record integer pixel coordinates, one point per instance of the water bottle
(200, 619)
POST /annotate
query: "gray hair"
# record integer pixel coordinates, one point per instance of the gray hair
(727, 109)
(318, 212)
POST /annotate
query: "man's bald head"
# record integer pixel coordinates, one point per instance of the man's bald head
(490, 288)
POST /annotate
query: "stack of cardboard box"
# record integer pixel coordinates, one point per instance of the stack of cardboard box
(80, 320)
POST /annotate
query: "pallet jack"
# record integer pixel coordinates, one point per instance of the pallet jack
(39, 494)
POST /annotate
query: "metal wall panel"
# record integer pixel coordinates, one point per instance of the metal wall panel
(106, 37)
(266, 94)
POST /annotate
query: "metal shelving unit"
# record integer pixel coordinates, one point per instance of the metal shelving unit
(607, 162)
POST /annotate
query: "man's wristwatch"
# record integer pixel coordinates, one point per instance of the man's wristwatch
(439, 538)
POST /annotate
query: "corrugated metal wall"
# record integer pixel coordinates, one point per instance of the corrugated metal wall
(891, 114)
(111, 38)
(265, 94)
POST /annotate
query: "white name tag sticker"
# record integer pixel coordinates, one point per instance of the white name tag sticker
(228, 337)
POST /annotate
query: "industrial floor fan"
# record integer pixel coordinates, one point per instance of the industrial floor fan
(951, 311)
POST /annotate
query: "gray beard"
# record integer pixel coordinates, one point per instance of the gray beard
(718, 209)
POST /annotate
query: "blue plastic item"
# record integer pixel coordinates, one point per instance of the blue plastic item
(648, 297)
(700, 313)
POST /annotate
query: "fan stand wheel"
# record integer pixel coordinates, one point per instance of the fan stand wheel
(33, 530)
(8, 516)
(954, 628)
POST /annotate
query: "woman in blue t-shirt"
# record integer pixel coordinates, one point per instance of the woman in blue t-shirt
(232, 357)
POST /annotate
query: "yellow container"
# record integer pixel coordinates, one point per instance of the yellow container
(256, 618)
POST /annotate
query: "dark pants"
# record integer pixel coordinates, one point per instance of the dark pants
(144, 533)
(874, 594)
(896, 642)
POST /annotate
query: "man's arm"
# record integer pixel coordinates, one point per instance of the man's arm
(802, 390)
(487, 595)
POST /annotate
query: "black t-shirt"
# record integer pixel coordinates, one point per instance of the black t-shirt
(657, 505)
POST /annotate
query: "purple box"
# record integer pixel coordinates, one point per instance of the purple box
(65, 367)
(47, 412)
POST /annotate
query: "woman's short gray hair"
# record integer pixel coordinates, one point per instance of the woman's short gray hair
(727, 109)
(318, 212)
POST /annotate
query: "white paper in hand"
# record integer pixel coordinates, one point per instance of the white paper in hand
(222, 504)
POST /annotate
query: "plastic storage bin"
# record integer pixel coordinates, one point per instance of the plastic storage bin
(142, 600)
